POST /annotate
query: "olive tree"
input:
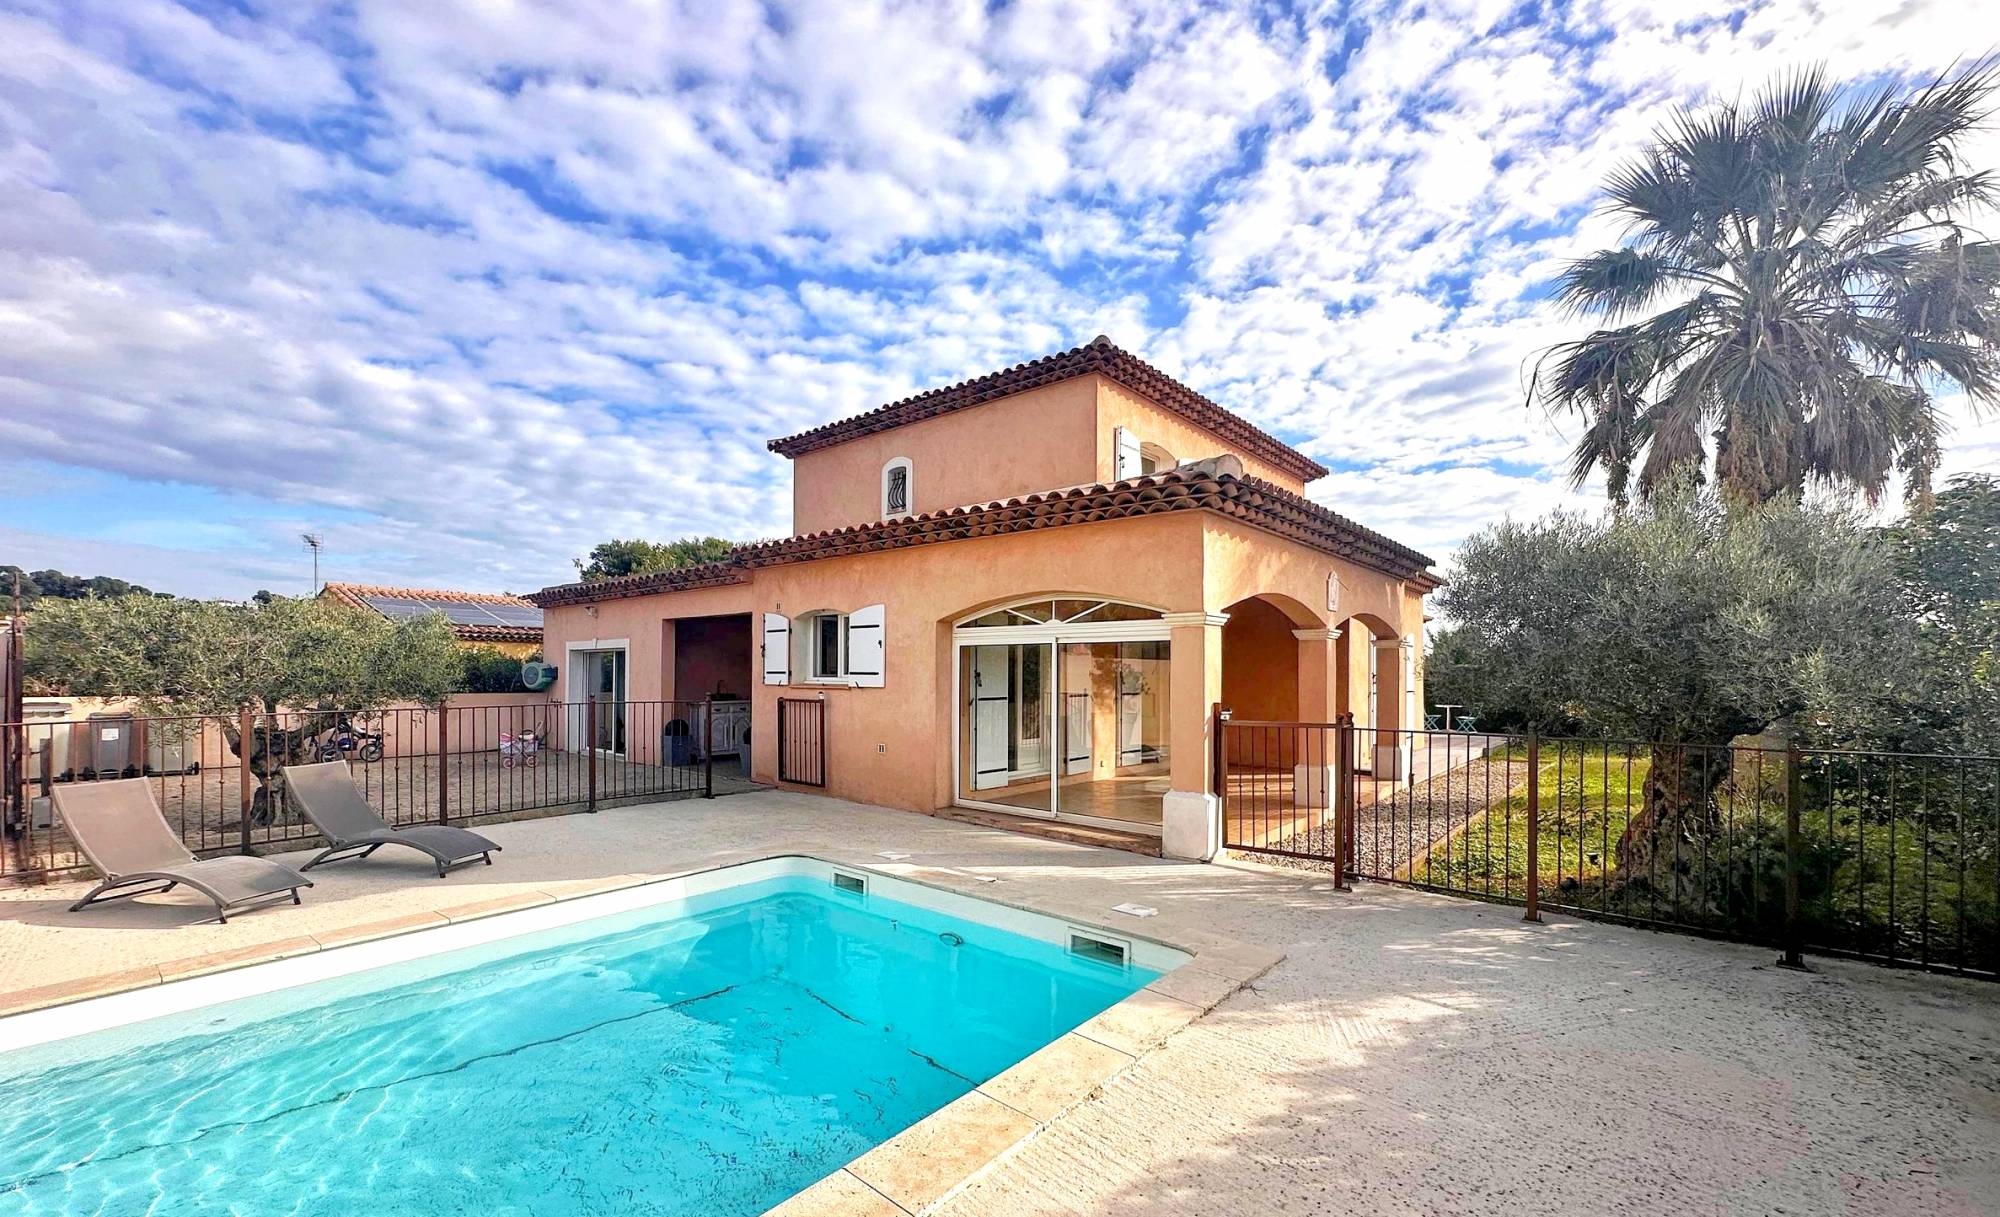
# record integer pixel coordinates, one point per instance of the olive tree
(315, 657)
(1683, 625)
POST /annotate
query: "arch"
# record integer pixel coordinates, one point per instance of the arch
(1055, 608)
(1376, 626)
(1154, 459)
(1260, 665)
(1297, 612)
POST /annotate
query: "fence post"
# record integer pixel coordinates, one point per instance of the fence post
(590, 751)
(243, 782)
(1534, 910)
(1794, 805)
(444, 764)
(708, 750)
(1343, 803)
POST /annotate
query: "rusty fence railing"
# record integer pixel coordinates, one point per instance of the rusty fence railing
(416, 765)
(1891, 857)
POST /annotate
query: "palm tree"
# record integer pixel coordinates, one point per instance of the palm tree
(1796, 283)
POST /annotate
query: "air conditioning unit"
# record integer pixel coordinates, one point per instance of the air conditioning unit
(1225, 465)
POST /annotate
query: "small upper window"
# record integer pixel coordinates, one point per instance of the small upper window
(897, 491)
(1154, 459)
(824, 658)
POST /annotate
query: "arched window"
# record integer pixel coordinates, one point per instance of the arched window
(1068, 611)
(1154, 459)
(899, 489)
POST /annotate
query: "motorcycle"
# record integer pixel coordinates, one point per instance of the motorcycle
(349, 742)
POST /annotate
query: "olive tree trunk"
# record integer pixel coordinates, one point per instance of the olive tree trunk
(1664, 842)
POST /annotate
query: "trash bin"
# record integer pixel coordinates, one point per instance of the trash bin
(677, 743)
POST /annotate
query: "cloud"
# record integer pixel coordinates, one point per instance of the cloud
(474, 286)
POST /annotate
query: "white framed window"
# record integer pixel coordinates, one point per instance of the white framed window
(822, 645)
(834, 647)
(899, 488)
(1154, 459)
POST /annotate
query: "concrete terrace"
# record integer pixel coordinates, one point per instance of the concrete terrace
(1411, 1054)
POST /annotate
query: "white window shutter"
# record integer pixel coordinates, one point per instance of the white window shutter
(865, 649)
(777, 649)
(1128, 454)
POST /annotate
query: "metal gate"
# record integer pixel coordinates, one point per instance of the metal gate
(802, 741)
(1287, 789)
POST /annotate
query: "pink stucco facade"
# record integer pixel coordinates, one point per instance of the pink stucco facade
(1238, 601)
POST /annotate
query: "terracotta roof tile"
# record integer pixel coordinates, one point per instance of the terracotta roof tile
(1099, 355)
(707, 574)
(1254, 501)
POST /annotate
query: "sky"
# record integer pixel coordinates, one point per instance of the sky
(467, 286)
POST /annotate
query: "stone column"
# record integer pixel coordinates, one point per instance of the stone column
(1320, 699)
(1190, 814)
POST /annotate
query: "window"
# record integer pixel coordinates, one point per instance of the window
(823, 637)
(898, 491)
(1062, 612)
(825, 645)
(1154, 459)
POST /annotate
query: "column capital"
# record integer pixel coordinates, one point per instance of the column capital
(1319, 635)
(1176, 620)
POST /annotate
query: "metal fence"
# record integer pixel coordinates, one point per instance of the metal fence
(219, 781)
(1874, 855)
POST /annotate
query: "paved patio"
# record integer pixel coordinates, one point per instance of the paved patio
(1413, 1054)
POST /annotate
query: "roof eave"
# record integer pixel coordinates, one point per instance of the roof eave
(1099, 356)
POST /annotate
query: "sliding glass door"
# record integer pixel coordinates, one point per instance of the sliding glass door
(1059, 716)
(1004, 747)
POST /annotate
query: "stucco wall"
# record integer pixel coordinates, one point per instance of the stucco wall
(1244, 561)
(1044, 439)
(894, 745)
(1118, 406)
(1038, 440)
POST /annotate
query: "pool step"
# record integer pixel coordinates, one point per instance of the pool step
(1057, 830)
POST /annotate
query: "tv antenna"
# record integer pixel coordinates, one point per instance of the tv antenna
(314, 542)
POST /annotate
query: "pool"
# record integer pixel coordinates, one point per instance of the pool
(705, 1045)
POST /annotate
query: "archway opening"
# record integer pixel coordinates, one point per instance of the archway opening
(1260, 681)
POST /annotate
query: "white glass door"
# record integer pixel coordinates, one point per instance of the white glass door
(604, 673)
(1005, 704)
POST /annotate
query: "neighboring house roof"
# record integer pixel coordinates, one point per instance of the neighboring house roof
(1254, 501)
(1099, 356)
(474, 616)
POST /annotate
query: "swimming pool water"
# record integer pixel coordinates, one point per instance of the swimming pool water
(712, 1057)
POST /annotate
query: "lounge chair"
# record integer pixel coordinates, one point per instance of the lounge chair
(121, 830)
(327, 794)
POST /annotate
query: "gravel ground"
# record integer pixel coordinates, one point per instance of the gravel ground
(1391, 832)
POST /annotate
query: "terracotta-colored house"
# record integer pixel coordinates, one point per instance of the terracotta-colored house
(508, 624)
(1025, 593)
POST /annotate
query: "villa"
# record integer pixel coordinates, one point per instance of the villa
(1025, 593)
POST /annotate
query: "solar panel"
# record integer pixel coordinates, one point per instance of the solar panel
(458, 612)
(398, 607)
(517, 614)
(466, 614)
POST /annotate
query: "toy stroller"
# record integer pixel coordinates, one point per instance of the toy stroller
(519, 749)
